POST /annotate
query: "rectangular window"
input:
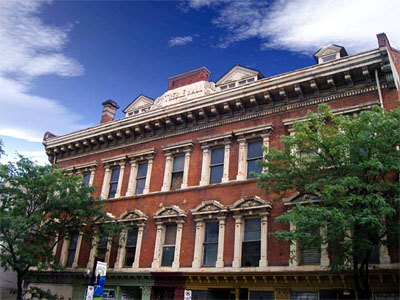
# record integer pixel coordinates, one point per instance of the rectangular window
(73, 242)
(304, 296)
(310, 256)
(242, 82)
(130, 247)
(177, 172)
(113, 182)
(250, 80)
(141, 178)
(169, 246)
(329, 58)
(254, 154)
(224, 87)
(262, 296)
(210, 245)
(232, 85)
(217, 165)
(251, 246)
(108, 294)
(386, 296)
(86, 178)
(102, 248)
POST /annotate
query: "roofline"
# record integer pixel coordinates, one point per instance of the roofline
(188, 72)
(135, 100)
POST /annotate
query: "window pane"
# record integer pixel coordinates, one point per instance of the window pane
(217, 156)
(176, 180)
(140, 183)
(86, 178)
(252, 166)
(262, 296)
(386, 296)
(113, 190)
(73, 241)
(102, 248)
(210, 254)
(304, 296)
(254, 149)
(251, 254)
(114, 175)
(71, 257)
(211, 232)
(250, 80)
(129, 256)
(142, 170)
(216, 173)
(179, 162)
(132, 237)
(170, 235)
(252, 229)
(168, 256)
(310, 256)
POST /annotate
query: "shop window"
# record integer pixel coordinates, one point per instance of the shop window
(304, 296)
(113, 182)
(386, 296)
(177, 172)
(169, 246)
(262, 296)
(73, 243)
(217, 165)
(141, 178)
(108, 294)
(102, 248)
(251, 245)
(254, 154)
(130, 246)
(210, 244)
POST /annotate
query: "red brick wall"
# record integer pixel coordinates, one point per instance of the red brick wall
(226, 194)
(188, 78)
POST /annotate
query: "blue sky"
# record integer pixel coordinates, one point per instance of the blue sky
(61, 59)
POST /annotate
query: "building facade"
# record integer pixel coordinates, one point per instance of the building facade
(177, 171)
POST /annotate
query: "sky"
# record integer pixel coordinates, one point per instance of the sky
(59, 60)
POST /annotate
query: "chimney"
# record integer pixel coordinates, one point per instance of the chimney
(109, 108)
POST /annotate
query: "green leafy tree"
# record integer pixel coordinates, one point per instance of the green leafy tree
(351, 166)
(40, 206)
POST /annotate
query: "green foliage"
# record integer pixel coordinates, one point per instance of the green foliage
(351, 165)
(41, 205)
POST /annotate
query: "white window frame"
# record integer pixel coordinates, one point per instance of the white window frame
(207, 144)
(210, 210)
(250, 207)
(170, 151)
(245, 135)
(64, 251)
(135, 159)
(132, 219)
(80, 169)
(163, 217)
(109, 164)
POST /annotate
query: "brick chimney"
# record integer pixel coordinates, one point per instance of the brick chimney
(109, 108)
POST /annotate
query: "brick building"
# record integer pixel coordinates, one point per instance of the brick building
(177, 171)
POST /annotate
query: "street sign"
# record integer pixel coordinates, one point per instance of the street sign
(187, 295)
(89, 292)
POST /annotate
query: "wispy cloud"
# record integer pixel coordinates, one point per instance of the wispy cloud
(305, 25)
(180, 40)
(30, 49)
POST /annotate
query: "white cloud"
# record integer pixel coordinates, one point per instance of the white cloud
(29, 49)
(180, 41)
(306, 25)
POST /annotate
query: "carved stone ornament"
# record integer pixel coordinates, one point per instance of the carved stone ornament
(251, 203)
(170, 212)
(133, 215)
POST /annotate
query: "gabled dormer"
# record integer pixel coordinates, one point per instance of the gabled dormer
(329, 53)
(139, 105)
(238, 76)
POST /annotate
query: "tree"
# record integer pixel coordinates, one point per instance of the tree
(40, 206)
(351, 166)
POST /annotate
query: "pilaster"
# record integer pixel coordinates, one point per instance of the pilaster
(120, 178)
(242, 160)
(132, 178)
(148, 176)
(237, 254)
(167, 172)
(221, 239)
(106, 181)
(186, 169)
(264, 242)
(175, 263)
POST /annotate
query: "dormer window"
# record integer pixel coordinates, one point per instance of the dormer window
(329, 58)
(329, 53)
(238, 76)
(140, 105)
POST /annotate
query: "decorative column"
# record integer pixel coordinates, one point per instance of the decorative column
(138, 246)
(167, 172)
(64, 251)
(108, 252)
(225, 176)
(148, 176)
(242, 160)
(205, 167)
(92, 172)
(132, 178)
(324, 246)
(157, 247)
(106, 181)
(78, 247)
(55, 247)
(179, 226)
(265, 138)
(237, 254)
(384, 257)
(146, 292)
(121, 250)
(293, 261)
(221, 239)
(264, 242)
(120, 178)
(186, 169)
(92, 253)
(198, 243)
